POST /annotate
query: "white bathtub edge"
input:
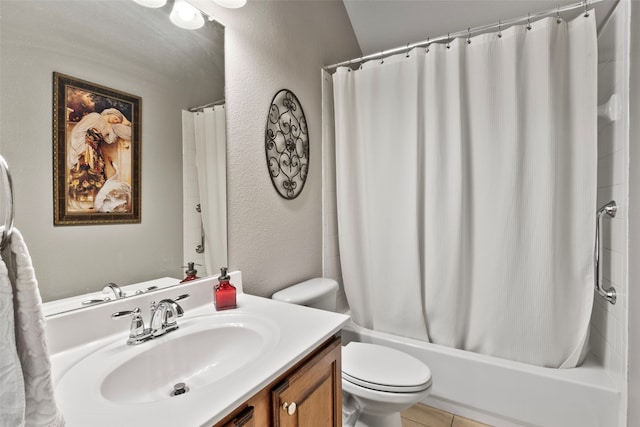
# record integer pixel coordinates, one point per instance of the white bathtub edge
(504, 393)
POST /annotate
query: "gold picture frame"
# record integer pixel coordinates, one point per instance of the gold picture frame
(96, 153)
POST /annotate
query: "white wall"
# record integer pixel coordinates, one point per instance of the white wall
(271, 45)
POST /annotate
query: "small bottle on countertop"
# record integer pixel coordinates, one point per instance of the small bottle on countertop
(224, 293)
(191, 272)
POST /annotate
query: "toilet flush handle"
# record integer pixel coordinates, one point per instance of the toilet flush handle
(290, 407)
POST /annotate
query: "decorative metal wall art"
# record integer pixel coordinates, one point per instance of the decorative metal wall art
(287, 144)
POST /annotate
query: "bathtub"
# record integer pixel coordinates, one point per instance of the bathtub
(505, 393)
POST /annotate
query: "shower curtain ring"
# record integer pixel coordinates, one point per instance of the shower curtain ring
(499, 29)
(382, 57)
(529, 22)
(558, 18)
(586, 5)
(469, 35)
(448, 41)
(407, 51)
(428, 44)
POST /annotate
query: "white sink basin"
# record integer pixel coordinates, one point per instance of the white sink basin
(201, 352)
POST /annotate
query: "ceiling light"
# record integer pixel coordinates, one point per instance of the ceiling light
(151, 3)
(231, 4)
(186, 16)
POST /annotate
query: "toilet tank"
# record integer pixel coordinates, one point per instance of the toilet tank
(319, 293)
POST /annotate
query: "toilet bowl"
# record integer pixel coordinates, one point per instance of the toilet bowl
(378, 382)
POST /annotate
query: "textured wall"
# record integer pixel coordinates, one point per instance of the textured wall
(272, 45)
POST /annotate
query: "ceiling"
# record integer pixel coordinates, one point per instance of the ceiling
(386, 24)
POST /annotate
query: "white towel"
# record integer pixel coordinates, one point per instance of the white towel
(11, 382)
(26, 388)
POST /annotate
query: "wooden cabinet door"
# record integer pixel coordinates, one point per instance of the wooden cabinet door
(312, 395)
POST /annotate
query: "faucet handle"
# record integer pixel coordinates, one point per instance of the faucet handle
(179, 297)
(154, 305)
(124, 313)
(145, 290)
(137, 332)
(178, 309)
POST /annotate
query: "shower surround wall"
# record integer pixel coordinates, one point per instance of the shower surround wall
(608, 339)
(633, 412)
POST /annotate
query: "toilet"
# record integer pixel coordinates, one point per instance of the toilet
(378, 382)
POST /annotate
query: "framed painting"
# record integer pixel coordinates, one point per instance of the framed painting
(96, 153)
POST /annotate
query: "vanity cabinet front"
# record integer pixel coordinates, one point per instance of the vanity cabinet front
(307, 395)
(312, 394)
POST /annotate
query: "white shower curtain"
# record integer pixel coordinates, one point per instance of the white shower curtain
(206, 129)
(466, 191)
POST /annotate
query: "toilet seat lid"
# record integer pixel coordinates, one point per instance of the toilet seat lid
(382, 368)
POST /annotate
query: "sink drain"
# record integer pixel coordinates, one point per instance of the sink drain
(178, 389)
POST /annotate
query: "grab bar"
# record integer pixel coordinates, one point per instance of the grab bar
(609, 294)
(7, 227)
(200, 247)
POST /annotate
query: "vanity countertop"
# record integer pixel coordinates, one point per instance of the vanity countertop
(298, 330)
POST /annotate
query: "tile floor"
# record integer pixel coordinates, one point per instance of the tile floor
(425, 416)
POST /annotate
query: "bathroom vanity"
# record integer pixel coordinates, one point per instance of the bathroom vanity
(264, 363)
(310, 393)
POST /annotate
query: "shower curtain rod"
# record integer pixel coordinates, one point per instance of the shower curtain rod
(202, 107)
(468, 32)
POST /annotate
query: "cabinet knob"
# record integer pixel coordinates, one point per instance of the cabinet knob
(290, 407)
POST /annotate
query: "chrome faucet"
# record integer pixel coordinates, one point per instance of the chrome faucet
(112, 288)
(164, 315)
(163, 320)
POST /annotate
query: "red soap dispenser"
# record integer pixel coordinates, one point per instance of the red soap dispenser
(224, 293)
(191, 272)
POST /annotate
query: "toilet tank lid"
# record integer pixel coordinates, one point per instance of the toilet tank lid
(307, 291)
